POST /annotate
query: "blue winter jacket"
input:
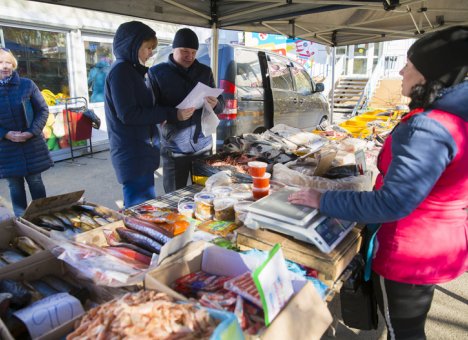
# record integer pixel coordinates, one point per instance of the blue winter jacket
(171, 83)
(32, 156)
(130, 114)
(421, 150)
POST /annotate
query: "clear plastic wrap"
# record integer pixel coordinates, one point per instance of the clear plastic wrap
(95, 264)
(294, 178)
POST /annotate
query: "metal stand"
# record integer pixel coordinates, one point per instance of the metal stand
(77, 105)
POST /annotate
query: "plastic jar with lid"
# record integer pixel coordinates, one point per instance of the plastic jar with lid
(257, 169)
(261, 182)
(224, 208)
(204, 209)
(221, 191)
(260, 192)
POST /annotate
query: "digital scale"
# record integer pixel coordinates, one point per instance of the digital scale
(324, 232)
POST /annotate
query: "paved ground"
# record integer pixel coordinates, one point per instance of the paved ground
(447, 319)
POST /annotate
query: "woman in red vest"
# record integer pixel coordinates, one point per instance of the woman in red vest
(420, 198)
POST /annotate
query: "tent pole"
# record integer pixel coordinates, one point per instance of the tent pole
(332, 116)
(214, 67)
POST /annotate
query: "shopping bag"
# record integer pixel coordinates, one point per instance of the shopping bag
(209, 120)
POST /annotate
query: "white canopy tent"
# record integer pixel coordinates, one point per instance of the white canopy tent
(327, 22)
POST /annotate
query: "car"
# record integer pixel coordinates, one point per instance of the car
(261, 89)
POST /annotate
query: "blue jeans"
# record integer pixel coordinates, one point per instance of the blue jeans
(18, 191)
(139, 190)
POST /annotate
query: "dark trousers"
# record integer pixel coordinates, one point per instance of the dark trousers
(18, 191)
(404, 307)
(139, 190)
(177, 168)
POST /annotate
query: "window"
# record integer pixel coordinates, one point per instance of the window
(41, 56)
(279, 74)
(248, 72)
(302, 81)
(98, 60)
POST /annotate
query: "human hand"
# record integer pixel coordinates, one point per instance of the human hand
(212, 101)
(184, 114)
(307, 197)
(14, 136)
(24, 136)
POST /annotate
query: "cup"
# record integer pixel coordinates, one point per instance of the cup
(261, 182)
(257, 169)
(260, 192)
(186, 206)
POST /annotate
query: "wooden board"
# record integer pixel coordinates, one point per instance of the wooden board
(330, 266)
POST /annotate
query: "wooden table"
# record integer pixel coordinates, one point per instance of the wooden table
(330, 266)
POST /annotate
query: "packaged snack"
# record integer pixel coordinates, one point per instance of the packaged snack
(244, 286)
(221, 228)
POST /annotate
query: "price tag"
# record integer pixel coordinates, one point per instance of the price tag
(49, 313)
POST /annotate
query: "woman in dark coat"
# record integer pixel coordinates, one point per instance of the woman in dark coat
(23, 151)
(132, 116)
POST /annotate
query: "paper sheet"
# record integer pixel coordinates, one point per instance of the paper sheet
(49, 313)
(196, 97)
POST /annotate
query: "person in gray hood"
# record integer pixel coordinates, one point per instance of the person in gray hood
(131, 114)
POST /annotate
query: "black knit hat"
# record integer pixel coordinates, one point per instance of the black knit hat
(185, 37)
(442, 55)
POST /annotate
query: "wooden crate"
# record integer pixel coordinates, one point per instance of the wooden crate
(330, 266)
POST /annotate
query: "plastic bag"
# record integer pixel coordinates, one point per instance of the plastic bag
(291, 177)
(95, 264)
(218, 179)
(209, 120)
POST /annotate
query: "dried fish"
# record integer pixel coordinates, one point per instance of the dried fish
(140, 240)
(25, 244)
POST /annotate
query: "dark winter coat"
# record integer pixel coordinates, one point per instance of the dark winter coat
(130, 114)
(182, 136)
(30, 157)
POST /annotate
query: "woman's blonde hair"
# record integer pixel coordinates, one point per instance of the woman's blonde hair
(11, 56)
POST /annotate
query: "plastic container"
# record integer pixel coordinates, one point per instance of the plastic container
(257, 169)
(260, 192)
(204, 209)
(224, 209)
(186, 207)
(241, 191)
(261, 182)
(221, 191)
(240, 209)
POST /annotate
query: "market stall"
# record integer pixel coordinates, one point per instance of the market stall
(230, 242)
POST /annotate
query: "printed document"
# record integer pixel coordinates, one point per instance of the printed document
(196, 97)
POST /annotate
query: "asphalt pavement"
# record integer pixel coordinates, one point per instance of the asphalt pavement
(448, 318)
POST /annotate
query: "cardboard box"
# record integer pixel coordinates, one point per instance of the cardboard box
(305, 316)
(9, 229)
(47, 265)
(56, 203)
(330, 266)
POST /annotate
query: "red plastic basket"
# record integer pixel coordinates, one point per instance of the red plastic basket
(80, 125)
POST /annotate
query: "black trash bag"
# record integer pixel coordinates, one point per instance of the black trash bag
(358, 302)
(95, 120)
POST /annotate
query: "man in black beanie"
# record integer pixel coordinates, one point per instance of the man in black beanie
(172, 81)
